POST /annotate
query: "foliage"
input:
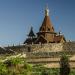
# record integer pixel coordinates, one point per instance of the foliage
(64, 65)
(44, 72)
(18, 66)
(3, 69)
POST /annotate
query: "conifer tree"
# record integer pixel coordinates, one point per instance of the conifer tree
(64, 65)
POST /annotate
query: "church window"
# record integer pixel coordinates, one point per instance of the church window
(48, 29)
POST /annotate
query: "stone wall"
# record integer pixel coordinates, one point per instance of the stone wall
(69, 46)
(49, 47)
(48, 54)
(54, 47)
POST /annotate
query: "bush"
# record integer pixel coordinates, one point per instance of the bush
(64, 65)
(3, 69)
(8, 63)
(44, 72)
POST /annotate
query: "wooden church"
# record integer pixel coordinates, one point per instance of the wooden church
(46, 33)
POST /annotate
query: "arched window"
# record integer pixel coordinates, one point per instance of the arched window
(48, 29)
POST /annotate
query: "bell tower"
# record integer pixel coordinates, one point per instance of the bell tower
(46, 30)
(47, 25)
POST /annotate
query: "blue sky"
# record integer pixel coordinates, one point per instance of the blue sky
(17, 16)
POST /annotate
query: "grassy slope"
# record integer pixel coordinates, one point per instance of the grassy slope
(18, 66)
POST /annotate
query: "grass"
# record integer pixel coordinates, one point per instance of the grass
(19, 66)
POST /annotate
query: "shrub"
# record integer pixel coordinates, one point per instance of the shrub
(64, 65)
(3, 69)
(44, 72)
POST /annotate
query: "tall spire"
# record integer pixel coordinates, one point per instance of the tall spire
(46, 11)
(31, 33)
(47, 25)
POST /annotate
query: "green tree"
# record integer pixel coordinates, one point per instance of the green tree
(3, 69)
(44, 72)
(64, 65)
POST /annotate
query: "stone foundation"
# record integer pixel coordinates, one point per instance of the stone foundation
(47, 54)
(51, 47)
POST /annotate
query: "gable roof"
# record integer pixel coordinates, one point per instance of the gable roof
(41, 39)
(30, 41)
